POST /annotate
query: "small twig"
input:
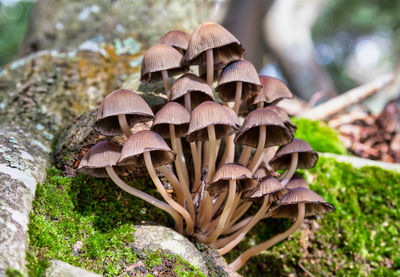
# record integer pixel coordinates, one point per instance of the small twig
(348, 98)
(305, 270)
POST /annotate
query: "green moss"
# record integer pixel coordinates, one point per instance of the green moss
(89, 223)
(11, 272)
(360, 238)
(319, 135)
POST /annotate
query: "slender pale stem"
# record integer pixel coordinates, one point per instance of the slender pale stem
(210, 67)
(245, 155)
(229, 152)
(148, 198)
(167, 86)
(238, 96)
(242, 259)
(225, 213)
(165, 195)
(174, 183)
(237, 238)
(292, 168)
(241, 210)
(238, 225)
(206, 153)
(196, 166)
(205, 212)
(260, 148)
(213, 152)
(188, 103)
(260, 105)
(182, 160)
(123, 123)
(219, 200)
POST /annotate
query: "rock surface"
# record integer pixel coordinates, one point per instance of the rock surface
(61, 269)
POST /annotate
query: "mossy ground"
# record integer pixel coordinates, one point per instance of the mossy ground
(361, 238)
(90, 223)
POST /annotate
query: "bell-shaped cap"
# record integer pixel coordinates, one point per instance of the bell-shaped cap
(100, 156)
(206, 114)
(199, 90)
(118, 102)
(209, 35)
(268, 186)
(277, 133)
(307, 157)
(314, 204)
(273, 90)
(220, 182)
(172, 113)
(158, 58)
(146, 141)
(233, 115)
(177, 39)
(284, 116)
(239, 71)
(297, 182)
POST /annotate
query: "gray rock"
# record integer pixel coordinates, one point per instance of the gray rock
(158, 237)
(61, 269)
(24, 157)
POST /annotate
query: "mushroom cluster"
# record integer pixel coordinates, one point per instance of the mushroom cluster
(216, 165)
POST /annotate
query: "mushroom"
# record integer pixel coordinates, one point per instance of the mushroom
(236, 178)
(270, 190)
(101, 162)
(297, 154)
(190, 91)
(254, 132)
(273, 90)
(149, 149)
(119, 111)
(284, 116)
(237, 81)
(208, 40)
(297, 203)
(209, 121)
(172, 122)
(159, 62)
(297, 182)
(177, 39)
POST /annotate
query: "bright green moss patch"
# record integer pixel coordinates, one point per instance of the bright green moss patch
(90, 223)
(361, 238)
(319, 135)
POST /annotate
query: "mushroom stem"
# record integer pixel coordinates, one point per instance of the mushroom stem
(210, 67)
(225, 213)
(285, 178)
(218, 201)
(196, 166)
(179, 160)
(182, 158)
(260, 105)
(238, 225)
(148, 198)
(245, 155)
(242, 259)
(238, 96)
(229, 152)
(123, 123)
(237, 237)
(188, 103)
(260, 148)
(239, 212)
(167, 86)
(165, 195)
(212, 153)
(174, 183)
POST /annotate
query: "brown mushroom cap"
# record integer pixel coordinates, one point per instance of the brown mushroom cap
(100, 156)
(273, 90)
(146, 141)
(297, 182)
(118, 102)
(171, 113)
(209, 35)
(176, 38)
(307, 157)
(158, 58)
(314, 204)
(243, 176)
(206, 114)
(199, 90)
(239, 71)
(268, 186)
(277, 133)
(284, 116)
